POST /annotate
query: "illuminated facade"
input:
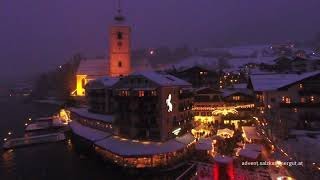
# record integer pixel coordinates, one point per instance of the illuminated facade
(81, 82)
(119, 53)
(88, 70)
(228, 106)
(141, 120)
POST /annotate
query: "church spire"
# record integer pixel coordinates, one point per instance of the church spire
(119, 17)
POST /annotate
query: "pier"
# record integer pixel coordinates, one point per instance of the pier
(32, 140)
(45, 123)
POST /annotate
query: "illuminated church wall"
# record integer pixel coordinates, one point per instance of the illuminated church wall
(81, 82)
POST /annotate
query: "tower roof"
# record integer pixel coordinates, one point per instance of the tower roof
(119, 17)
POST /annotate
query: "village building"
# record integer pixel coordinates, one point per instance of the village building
(140, 120)
(288, 100)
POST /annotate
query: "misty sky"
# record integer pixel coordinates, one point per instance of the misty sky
(38, 35)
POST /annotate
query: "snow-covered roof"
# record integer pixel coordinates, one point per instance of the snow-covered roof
(250, 132)
(87, 132)
(229, 92)
(204, 144)
(185, 139)
(248, 153)
(223, 159)
(108, 81)
(267, 82)
(93, 67)
(163, 79)
(102, 82)
(200, 61)
(126, 147)
(254, 147)
(83, 112)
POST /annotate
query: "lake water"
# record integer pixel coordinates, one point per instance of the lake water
(51, 161)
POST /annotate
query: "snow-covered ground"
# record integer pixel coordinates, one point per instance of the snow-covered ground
(238, 58)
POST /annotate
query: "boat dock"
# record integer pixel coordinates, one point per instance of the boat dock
(25, 141)
(45, 123)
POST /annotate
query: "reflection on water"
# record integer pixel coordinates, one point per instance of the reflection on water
(8, 161)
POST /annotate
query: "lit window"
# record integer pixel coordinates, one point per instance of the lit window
(288, 100)
(153, 93)
(295, 110)
(141, 93)
(312, 98)
(302, 100)
(236, 98)
(201, 72)
(300, 86)
(124, 93)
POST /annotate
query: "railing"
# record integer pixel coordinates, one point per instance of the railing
(34, 140)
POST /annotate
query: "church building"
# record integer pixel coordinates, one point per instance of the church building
(117, 64)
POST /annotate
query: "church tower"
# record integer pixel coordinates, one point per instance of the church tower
(119, 52)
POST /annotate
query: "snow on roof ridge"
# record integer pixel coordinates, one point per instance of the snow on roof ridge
(264, 82)
(162, 79)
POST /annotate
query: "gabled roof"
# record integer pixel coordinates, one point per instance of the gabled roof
(282, 58)
(163, 79)
(248, 153)
(93, 67)
(108, 81)
(229, 92)
(268, 82)
(200, 61)
(102, 82)
(195, 67)
(207, 90)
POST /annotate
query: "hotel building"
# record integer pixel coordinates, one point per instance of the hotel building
(140, 120)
